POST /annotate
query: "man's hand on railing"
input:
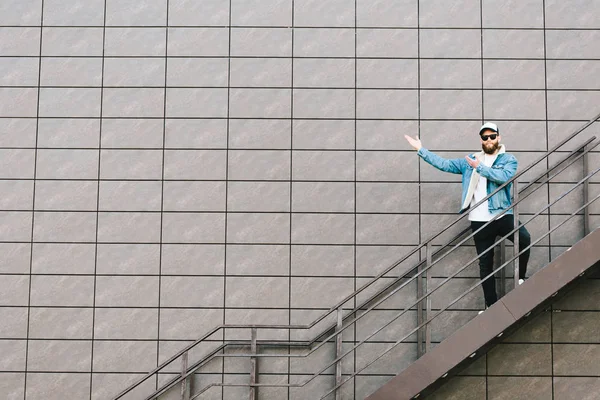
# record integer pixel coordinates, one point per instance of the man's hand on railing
(414, 142)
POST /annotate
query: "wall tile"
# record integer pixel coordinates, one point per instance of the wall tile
(387, 13)
(261, 13)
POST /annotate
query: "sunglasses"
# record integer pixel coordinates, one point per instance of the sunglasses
(492, 136)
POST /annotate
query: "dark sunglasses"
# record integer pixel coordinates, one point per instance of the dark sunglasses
(492, 136)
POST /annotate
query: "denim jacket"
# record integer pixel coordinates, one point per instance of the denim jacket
(502, 170)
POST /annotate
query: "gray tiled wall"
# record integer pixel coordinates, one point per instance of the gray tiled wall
(170, 165)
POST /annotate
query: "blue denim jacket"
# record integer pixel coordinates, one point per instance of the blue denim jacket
(502, 170)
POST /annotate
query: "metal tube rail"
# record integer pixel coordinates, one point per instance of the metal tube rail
(366, 285)
(546, 179)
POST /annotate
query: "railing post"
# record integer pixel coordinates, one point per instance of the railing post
(502, 257)
(586, 194)
(185, 389)
(429, 255)
(420, 310)
(253, 366)
(338, 352)
(516, 234)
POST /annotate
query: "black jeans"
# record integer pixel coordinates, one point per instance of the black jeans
(485, 238)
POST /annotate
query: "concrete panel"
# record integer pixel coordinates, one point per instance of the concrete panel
(323, 229)
(323, 197)
(127, 259)
(61, 323)
(331, 73)
(521, 359)
(261, 13)
(451, 104)
(258, 260)
(16, 257)
(561, 15)
(384, 135)
(273, 228)
(193, 227)
(323, 165)
(457, 14)
(513, 387)
(63, 195)
(324, 13)
(194, 196)
(322, 260)
(18, 102)
(18, 132)
(386, 166)
(72, 41)
(195, 133)
(324, 103)
(129, 196)
(56, 386)
(135, 42)
(193, 259)
(576, 359)
(258, 196)
(125, 323)
(450, 43)
(513, 14)
(71, 72)
(18, 71)
(513, 74)
(260, 103)
(18, 195)
(257, 292)
(128, 227)
(259, 72)
(191, 291)
(124, 356)
(12, 385)
(136, 13)
(514, 43)
(19, 41)
(259, 165)
(263, 42)
(194, 164)
(386, 13)
(259, 134)
(71, 355)
(62, 290)
(384, 43)
(63, 258)
(192, 13)
(16, 12)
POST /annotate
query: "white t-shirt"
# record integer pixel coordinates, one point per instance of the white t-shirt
(482, 213)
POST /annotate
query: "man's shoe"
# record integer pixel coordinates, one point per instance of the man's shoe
(521, 281)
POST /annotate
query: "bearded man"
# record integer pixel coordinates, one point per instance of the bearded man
(482, 173)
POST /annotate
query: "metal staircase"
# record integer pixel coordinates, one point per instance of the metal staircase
(420, 323)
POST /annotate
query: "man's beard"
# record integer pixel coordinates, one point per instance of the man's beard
(490, 149)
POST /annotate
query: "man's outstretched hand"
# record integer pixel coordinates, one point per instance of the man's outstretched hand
(414, 142)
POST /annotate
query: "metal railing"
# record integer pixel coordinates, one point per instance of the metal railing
(343, 321)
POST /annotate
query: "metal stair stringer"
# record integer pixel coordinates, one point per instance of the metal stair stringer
(481, 333)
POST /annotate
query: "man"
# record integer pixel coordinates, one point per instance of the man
(482, 173)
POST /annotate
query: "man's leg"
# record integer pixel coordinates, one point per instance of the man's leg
(484, 239)
(507, 224)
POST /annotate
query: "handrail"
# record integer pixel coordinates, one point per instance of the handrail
(362, 288)
(478, 282)
(201, 362)
(407, 308)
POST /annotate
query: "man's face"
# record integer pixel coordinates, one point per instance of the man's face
(490, 146)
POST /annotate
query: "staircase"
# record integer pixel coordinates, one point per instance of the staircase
(420, 324)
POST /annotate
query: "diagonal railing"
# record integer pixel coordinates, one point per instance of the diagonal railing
(350, 317)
